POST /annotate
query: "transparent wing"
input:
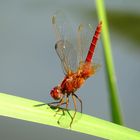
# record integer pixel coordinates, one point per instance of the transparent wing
(65, 43)
(67, 55)
(84, 37)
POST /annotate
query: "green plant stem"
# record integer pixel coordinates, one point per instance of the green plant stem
(112, 84)
(24, 109)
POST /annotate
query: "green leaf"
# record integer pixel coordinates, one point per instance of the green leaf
(24, 109)
(110, 71)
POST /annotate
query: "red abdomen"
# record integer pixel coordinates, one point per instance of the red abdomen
(93, 43)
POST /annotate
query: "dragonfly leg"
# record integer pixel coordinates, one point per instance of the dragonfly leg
(66, 109)
(59, 103)
(75, 107)
(79, 101)
(67, 102)
(62, 102)
(50, 104)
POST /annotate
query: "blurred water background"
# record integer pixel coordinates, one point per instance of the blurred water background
(29, 66)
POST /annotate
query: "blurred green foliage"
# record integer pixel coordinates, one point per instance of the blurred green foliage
(126, 23)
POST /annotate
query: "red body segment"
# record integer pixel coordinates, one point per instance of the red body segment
(74, 81)
(94, 42)
(71, 83)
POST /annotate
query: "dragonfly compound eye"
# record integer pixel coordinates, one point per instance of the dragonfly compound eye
(56, 93)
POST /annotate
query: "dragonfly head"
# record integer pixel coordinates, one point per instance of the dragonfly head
(56, 93)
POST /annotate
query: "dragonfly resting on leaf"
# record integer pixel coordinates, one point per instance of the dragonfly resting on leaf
(75, 76)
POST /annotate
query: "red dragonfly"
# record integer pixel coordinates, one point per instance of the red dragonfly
(75, 72)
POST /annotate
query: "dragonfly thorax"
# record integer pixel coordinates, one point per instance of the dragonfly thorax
(71, 83)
